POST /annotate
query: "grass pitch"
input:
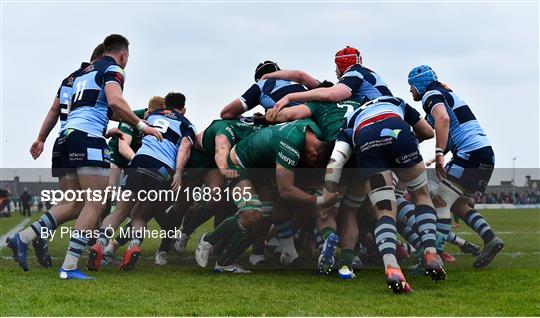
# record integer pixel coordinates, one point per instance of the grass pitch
(510, 286)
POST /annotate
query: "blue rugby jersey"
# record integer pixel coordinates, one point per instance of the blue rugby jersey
(364, 84)
(90, 110)
(64, 94)
(376, 110)
(267, 92)
(173, 126)
(465, 134)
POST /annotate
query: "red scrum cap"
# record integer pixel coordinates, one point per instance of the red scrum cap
(346, 58)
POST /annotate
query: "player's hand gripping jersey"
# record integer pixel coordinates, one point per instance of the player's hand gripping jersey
(173, 126)
(89, 111)
(380, 132)
(135, 144)
(465, 134)
(364, 84)
(279, 144)
(234, 129)
(268, 91)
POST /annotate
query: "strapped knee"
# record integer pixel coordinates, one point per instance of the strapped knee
(381, 195)
(447, 194)
(418, 182)
(353, 201)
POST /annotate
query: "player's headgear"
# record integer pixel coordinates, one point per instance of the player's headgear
(265, 68)
(346, 58)
(420, 77)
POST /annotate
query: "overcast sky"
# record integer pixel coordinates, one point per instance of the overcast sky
(488, 53)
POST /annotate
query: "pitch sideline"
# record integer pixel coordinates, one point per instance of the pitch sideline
(14, 230)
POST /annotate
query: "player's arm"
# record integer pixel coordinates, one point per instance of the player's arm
(288, 114)
(421, 127)
(48, 124)
(247, 101)
(233, 109)
(336, 93)
(340, 155)
(222, 149)
(182, 157)
(442, 126)
(423, 130)
(287, 189)
(295, 76)
(124, 146)
(122, 111)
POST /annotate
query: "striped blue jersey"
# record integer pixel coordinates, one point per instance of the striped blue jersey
(465, 134)
(373, 111)
(267, 92)
(64, 94)
(173, 126)
(364, 84)
(89, 110)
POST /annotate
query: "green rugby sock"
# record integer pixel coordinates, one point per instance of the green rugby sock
(225, 230)
(240, 242)
(346, 258)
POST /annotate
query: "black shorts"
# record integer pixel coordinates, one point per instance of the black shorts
(474, 172)
(85, 150)
(384, 145)
(60, 164)
(147, 173)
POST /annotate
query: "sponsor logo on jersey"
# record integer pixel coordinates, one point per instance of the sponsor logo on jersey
(406, 158)
(231, 132)
(375, 144)
(286, 159)
(288, 147)
(390, 133)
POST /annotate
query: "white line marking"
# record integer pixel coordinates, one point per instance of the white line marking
(11, 232)
(499, 232)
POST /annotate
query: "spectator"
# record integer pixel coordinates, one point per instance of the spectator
(26, 197)
(4, 202)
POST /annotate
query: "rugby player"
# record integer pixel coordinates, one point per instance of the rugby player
(382, 135)
(157, 166)
(265, 92)
(282, 147)
(472, 163)
(328, 106)
(96, 95)
(216, 141)
(356, 82)
(64, 210)
(122, 150)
